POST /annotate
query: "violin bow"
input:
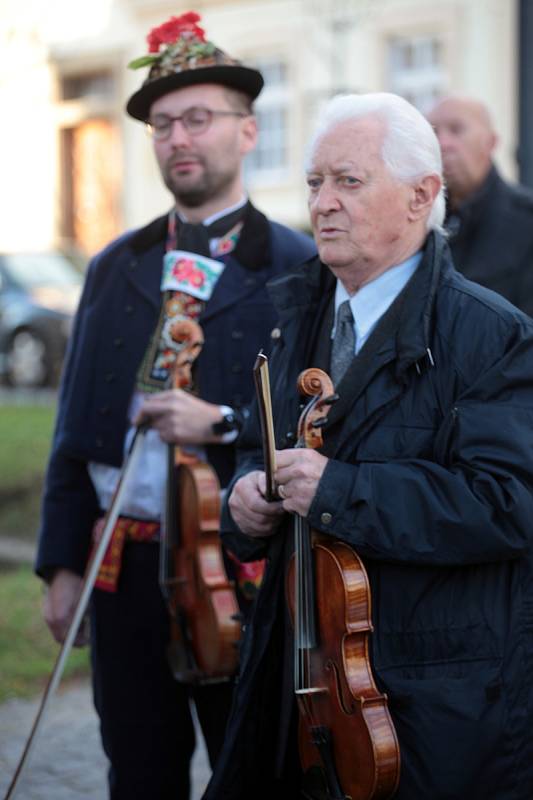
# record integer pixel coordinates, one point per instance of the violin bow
(81, 606)
(264, 400)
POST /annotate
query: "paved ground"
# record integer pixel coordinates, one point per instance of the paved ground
(16, 551)
(67, 762)
(31, 397)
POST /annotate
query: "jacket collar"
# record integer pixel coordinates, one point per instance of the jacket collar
(251, 255)
(253, 249)
(152, 234)
(414, 333)
(400, 341)
(301, 291)
(473, 207)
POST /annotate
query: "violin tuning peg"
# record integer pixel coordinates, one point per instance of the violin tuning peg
(331, 399)
(238, 617)
(319, 423)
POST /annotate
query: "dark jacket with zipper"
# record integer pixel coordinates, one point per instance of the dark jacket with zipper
(431, 481)
(118, 313)
(491, 239)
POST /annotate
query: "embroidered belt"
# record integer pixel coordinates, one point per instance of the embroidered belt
(248, 575)
(126, 529)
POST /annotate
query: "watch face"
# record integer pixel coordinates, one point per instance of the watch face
(227, 424)
(230, 422)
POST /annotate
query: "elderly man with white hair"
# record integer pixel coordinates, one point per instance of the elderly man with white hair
(425, 471)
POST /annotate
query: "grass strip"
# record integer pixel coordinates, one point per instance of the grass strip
(26, 435)
(27, 650)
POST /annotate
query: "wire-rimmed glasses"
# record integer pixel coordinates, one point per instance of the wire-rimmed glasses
(195, 120)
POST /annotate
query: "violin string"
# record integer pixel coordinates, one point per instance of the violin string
(310, 613)
(303, 607)
(305, 629)
(306, 588)
(310, 588)
(297, 606)
(304, 613)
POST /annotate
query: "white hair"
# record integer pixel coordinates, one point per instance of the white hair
(410, 148)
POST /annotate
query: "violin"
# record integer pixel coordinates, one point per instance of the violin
(202, 600)
(347, 742)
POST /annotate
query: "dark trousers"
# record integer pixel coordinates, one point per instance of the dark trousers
(146, 725)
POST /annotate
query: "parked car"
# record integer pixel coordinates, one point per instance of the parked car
(39, 293)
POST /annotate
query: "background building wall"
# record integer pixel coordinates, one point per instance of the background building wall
(53, 137)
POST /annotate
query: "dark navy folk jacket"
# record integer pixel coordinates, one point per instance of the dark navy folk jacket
(118, 313)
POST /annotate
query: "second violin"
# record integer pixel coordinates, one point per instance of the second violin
(193, 577)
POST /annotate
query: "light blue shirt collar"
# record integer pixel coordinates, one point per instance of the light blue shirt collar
(373, 299)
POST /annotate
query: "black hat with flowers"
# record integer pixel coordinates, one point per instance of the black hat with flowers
(179, 55)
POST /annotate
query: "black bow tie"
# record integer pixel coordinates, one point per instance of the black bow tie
(194, 237)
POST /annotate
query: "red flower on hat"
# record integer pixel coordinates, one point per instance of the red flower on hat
(175, 28)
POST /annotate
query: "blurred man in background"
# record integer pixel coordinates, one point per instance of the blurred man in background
(489, 221)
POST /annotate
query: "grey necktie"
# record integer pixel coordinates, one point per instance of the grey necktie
(343, 346)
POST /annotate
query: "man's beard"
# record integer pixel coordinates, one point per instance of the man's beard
(207, 187)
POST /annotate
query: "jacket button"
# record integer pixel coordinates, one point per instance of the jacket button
(326, 518)
(99, 441)
(128, 309)
(104, 410)
(237, 335)
(133, 263)
(118, 342)
(109, 377)
(250, 281)
(236, 368)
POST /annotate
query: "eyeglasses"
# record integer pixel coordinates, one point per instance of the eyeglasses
(195, 120)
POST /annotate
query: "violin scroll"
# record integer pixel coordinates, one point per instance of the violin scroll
(316, 384)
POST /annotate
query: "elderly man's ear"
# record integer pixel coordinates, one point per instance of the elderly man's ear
(423, 196)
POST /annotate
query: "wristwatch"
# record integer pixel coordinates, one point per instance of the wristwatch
(231, 423)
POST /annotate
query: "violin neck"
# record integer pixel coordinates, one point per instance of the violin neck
(305, 635)
(169, 530)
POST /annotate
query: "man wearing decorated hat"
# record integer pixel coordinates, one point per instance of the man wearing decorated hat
(208, 260)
